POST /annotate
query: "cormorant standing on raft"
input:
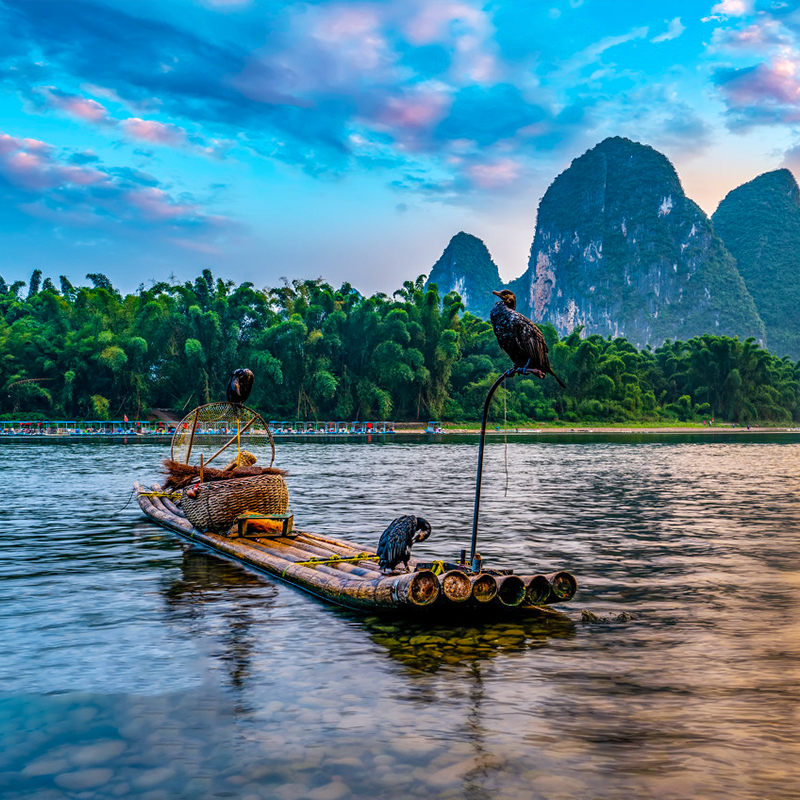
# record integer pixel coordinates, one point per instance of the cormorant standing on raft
(240, 386)
(520, 338)
(395, 543)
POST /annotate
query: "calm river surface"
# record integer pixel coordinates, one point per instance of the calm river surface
(134, 664)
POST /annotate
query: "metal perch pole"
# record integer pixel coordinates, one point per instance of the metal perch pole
(480, 460)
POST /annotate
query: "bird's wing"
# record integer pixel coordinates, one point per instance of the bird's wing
(395, 539)
(532, 340)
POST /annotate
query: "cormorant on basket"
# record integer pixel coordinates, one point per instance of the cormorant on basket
(520, 338)
(396, 541)
(240, 386)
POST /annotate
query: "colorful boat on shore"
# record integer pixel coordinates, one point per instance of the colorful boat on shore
(348, 575)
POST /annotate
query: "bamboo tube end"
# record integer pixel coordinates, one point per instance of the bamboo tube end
(510, 590)
(538, 589)
(456, 586)
(563, 584)
(424, 588)
(484, 588)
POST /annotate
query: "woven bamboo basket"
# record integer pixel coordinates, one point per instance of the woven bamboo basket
(219, 503)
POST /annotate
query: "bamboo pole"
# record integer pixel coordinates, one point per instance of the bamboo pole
(484, 587)
(479, 475)
(278, 546)
(510, 590)
(191, 438)
(563, 586)
(537, 588)
(456, 586)
(230, 441)
(339, 548)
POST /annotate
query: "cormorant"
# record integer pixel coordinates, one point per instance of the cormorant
(520, 338)
(395, 543)
(240, 386)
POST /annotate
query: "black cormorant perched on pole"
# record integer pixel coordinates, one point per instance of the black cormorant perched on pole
(240, 386)
(519, 337)
(395, 543)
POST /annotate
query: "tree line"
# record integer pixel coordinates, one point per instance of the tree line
(88, 352)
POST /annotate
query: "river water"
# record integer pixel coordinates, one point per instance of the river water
(134, 664)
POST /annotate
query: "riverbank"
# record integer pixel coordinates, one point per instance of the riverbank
(410, 434)
(655, 429)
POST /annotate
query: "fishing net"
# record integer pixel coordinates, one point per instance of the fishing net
(220, 432)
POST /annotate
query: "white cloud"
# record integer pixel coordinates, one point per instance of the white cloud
(674, 30)
(593, 52)
(730, 8)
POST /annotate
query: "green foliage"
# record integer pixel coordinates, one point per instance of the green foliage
(326, 353)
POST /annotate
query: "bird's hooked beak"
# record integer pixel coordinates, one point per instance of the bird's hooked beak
(424, 532)
(498, 294)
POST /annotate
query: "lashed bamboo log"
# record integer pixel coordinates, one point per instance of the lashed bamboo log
(563, 586)
(284, 548)
(410, 589)
(456, 586)
(278, 547)
(304, 542)
(538, 588)
(510, 590)
(484, 587)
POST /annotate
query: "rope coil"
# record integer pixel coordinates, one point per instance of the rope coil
(170, 495)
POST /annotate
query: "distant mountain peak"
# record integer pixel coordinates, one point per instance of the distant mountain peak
(620, 250)
(466, 267)
(759, 222)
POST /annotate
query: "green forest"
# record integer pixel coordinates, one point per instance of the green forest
(88, 352)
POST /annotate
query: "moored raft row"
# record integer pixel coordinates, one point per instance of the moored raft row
(348, 575)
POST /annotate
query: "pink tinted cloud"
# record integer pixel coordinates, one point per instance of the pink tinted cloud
(415, 111)
(772, 84)
(30, 165)
(495, 175)
(155, 132)
(156, 205)
(433, 21)
(49, 189)
(758, 37)
(82, 108)
(352, 39)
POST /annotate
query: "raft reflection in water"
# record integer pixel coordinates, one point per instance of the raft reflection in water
(418, 644)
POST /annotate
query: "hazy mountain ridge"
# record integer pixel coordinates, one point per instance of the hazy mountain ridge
(760, 225)
(620, 250)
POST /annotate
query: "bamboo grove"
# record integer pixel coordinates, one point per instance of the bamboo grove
(87, 352)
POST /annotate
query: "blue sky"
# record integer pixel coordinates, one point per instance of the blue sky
(351, 140)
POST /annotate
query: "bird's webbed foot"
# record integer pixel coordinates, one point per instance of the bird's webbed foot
(530, 371)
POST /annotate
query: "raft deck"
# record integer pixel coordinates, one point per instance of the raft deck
(348, 575)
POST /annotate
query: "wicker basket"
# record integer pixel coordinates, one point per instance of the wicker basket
(219, 503)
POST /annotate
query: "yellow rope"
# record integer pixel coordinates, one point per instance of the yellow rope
(171, 495)
(334, 560)
(437, 568)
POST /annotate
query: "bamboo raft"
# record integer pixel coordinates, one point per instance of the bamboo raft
(347, 574)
